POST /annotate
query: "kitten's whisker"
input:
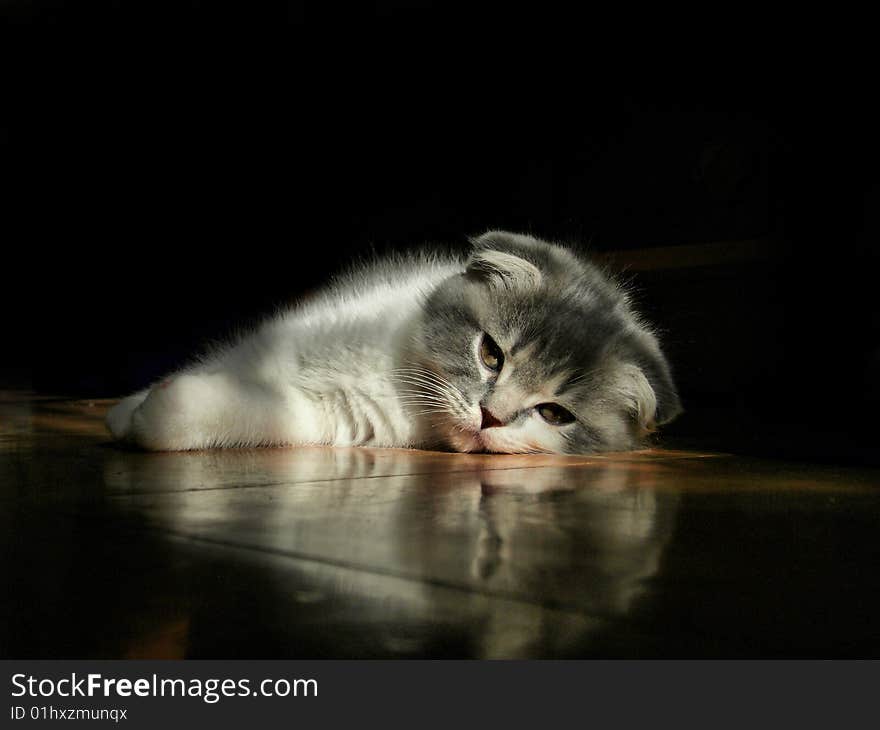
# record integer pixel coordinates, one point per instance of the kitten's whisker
(419, 375)
(425, 396)
(426, 386)
(444, 391)
(427, 393)
(422, 381)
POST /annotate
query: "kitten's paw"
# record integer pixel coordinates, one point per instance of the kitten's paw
(119, 417)
(169, 417)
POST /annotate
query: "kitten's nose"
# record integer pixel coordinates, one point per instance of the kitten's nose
(489, 421)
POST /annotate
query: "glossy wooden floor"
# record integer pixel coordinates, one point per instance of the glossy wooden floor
(320, 552)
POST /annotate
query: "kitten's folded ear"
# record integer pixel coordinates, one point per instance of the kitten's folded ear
(505, 259)
(668, 403)
(650, 401)
(656, 370)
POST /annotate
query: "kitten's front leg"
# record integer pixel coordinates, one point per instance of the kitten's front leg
(201, 410)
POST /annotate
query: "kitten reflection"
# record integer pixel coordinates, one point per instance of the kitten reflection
(510, 556)
(144, 472)
(575, 549)
(608, 534)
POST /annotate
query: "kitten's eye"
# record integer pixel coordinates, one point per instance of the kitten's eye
(554, 414)
(491, 354)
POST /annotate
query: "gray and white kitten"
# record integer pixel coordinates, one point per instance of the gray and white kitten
(521, 348)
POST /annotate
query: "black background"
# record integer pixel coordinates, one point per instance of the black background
(172, 170)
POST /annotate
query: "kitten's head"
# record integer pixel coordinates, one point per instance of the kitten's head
(531, 349)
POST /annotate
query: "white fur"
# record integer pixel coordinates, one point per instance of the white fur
(321, 373)
(354, 367)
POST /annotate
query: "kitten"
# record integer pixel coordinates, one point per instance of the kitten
(521, 348)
